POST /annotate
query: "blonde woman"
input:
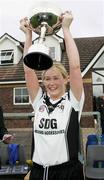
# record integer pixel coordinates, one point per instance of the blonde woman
(57, 112)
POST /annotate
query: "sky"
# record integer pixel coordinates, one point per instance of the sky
(88, 16)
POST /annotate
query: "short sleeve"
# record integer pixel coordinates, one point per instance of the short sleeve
(77, 105)
(37, 98)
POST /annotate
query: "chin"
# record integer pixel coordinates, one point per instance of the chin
(54, 96)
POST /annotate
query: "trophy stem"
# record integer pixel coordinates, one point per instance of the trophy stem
(43, 32)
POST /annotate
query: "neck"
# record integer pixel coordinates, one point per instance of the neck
(55, 98)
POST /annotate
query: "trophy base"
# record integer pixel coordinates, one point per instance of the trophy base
(38, 61)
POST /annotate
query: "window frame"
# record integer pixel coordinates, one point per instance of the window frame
(6, 57)
(21, 96)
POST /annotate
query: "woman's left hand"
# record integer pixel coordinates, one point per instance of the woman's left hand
(67, 19)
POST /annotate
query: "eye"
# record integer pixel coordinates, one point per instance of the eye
(56, 78)
(46, 78)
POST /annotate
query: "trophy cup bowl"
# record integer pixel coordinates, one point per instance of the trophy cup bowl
(38, 57)
(44, 20)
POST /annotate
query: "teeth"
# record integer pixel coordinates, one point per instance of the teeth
(52, 89)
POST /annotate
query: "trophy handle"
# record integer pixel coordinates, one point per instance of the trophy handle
(57, 26)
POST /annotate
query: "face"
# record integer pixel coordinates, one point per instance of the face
(55, 84)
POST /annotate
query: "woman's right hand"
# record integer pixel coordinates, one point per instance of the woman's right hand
(25, 25)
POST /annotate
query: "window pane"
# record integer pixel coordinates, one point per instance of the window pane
(6, 57)
(52, 52)
(18, 99)
(25, 92)
(21, 95)
(25, 99)
(17, 92)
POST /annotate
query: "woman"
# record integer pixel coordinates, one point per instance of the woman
(57, 112)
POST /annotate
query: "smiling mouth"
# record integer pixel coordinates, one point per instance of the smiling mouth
(52, 89)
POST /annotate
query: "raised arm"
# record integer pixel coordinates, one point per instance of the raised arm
(30, 75)
(76, 83)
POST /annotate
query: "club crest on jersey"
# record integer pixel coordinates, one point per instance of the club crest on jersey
(61, 106)
(42, 108)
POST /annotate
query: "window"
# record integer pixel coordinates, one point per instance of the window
(52, 52)
(21, 96)
(6, 57)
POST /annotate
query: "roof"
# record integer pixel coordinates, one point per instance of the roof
(88, 48)
(12, 38)
(12, 72)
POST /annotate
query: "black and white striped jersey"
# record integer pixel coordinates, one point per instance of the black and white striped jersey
(56, 134)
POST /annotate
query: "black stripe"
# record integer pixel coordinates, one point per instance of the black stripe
(73, 135)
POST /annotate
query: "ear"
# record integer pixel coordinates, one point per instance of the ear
(67, 80)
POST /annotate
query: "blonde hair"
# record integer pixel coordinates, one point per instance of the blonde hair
(60, 67)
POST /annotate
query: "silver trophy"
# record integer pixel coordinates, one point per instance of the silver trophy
(44, 20)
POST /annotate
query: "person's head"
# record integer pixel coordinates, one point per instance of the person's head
(102, 96)
(55, 80)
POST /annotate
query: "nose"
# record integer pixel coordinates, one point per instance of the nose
(52, 82)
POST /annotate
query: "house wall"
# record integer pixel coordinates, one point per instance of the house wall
(88, 121)
(88, 92)
(18, 55)
(7, 44)
(6, 101)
